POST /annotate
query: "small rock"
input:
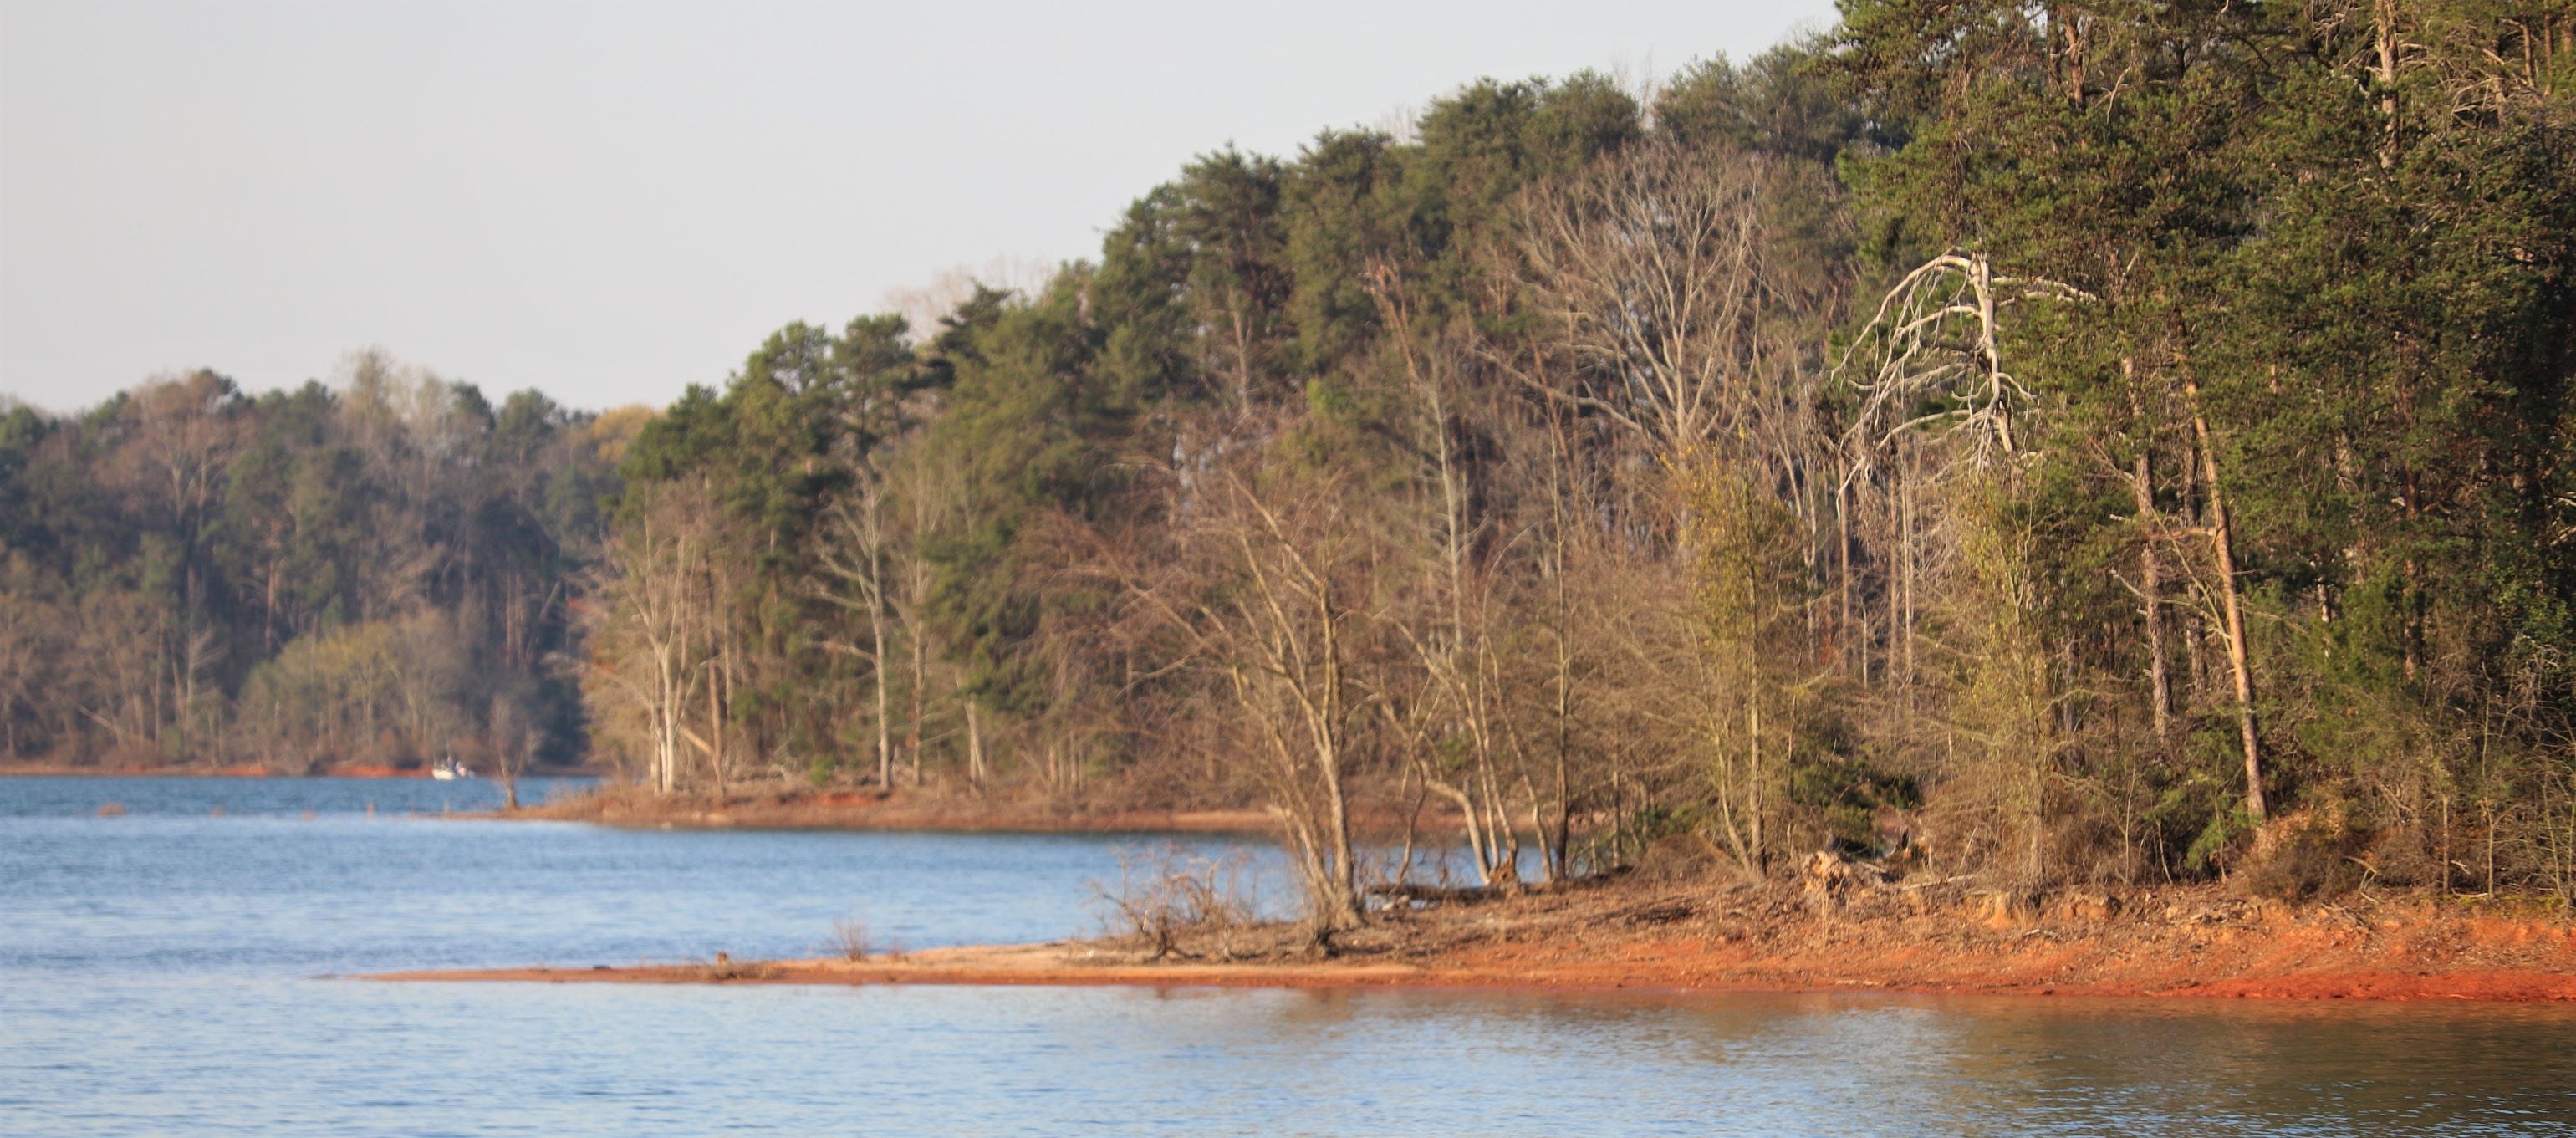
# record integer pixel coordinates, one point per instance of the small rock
(2085, 907)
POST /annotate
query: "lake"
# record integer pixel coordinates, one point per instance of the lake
(166, 972)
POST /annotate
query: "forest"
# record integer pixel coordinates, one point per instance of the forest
(2111, 441)
(375, 573)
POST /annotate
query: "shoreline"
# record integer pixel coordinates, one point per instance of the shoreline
(874, 810)
(1629, 935)
(257, 770)
(1049, 965)
(771, 807)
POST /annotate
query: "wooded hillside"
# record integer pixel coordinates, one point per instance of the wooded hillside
(375, 573)
(2066, 441)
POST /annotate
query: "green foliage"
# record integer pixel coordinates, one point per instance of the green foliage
(1846, 792)
(211, 569)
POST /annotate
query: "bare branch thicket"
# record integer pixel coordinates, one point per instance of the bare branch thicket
(1454, 694)
(650, 638)
(1266, 599)
(1933, 444)
(1658, 276)
(1172, 903)
(851, 940)
(852, 556)
(1677, 312)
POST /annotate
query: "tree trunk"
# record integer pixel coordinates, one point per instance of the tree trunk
(2150, 591)
(885, 713)
(715, 730)
(1847, 635)
(1904, 611)
(1345, 874)
(1467, 811)
(2142, 489)
(912, 734)
(1558, 861)
(1981, 276)
(2222, 545)
(1753, 787)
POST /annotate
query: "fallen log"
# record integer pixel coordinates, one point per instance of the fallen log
(1445, 894)
(1475, 894)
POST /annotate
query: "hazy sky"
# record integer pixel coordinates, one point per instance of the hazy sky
(612, 200)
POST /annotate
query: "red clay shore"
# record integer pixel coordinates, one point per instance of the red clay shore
(1670, 937)
(1003, 965)
(801, 809)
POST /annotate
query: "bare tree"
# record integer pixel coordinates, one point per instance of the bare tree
(1460, 694)
(1269, 600)
(930, 495)
(649, 640)
(510, 739)
(854, 553)
(1676, 314)
(2222, 548)
(183, 441)
(1934, 339)
(1658, 273)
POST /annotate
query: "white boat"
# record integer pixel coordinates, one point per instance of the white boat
(448, 769)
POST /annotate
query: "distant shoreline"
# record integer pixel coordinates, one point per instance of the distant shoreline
(772, 807)
(253, 770)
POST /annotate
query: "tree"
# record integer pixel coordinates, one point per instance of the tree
(651, 643)
(1270, 605)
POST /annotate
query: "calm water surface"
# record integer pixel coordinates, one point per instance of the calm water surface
(160, 974)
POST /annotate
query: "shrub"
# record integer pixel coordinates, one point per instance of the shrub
(1175, 904)
(850, 939)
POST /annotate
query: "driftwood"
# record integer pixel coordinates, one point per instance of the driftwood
(1446, 894)
(1477, 894)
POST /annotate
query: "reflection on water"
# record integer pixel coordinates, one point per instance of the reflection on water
(155, 978)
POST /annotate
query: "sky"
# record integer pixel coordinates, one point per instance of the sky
(611, 200)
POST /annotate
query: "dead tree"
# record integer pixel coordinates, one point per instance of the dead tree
(1934, 340)
(1938, 406)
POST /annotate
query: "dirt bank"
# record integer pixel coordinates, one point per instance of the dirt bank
(1786, 937)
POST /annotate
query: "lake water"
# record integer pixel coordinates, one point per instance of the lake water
(163, 972)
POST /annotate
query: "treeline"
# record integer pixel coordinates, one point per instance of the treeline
(378, 572)
(2057, 442)
(2060, 441)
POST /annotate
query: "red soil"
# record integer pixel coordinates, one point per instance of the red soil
(1785, 938)
(774, 809)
